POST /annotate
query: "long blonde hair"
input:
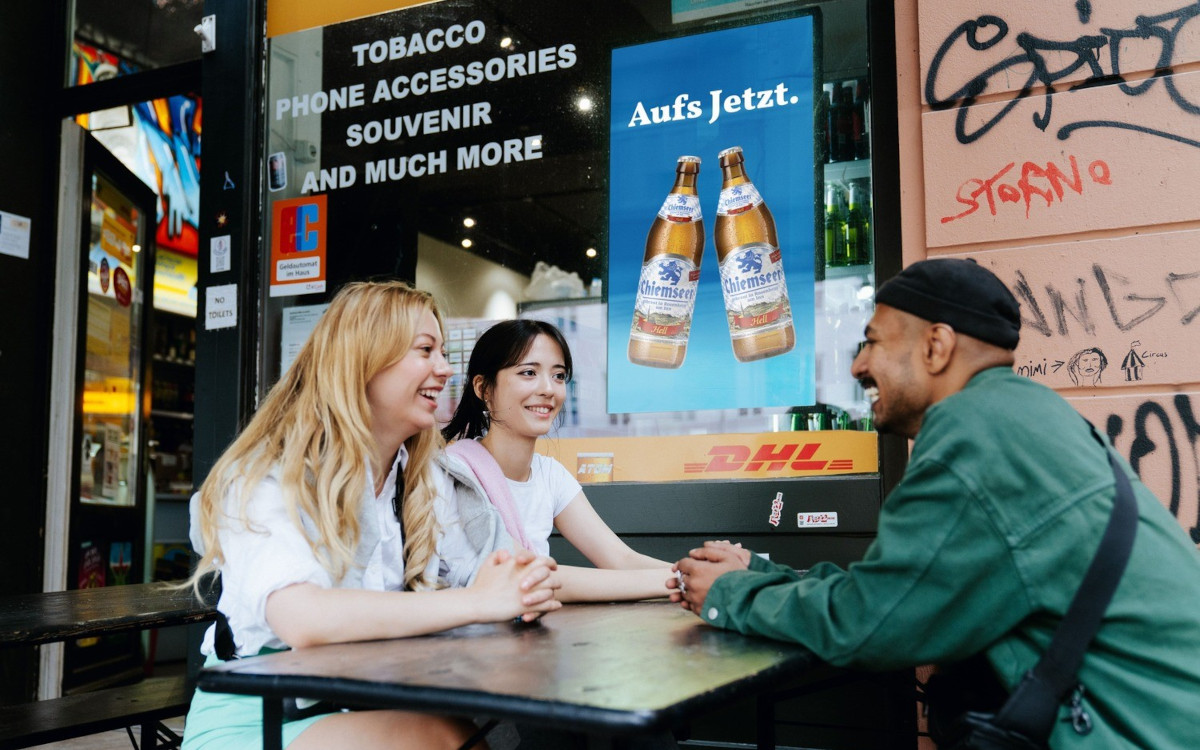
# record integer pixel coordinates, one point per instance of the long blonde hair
(314, 431)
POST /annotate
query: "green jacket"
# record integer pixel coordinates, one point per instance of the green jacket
(982, 546)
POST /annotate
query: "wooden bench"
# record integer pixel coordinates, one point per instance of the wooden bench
(32, 619)
(145, 703)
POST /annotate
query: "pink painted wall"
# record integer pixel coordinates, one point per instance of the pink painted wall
(1058, 143)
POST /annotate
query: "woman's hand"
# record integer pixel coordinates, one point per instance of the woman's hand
(521, 585)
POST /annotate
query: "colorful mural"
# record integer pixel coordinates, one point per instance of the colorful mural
(159, 142)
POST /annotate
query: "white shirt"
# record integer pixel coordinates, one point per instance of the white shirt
(548, 491)
(270, 553)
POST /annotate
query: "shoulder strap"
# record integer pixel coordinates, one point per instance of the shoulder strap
(1033, 706)
(488, 472)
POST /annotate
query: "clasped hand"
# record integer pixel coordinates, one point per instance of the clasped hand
(700, 568)
(520, 584)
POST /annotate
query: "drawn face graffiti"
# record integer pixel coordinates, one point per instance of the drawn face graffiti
(1089, 365)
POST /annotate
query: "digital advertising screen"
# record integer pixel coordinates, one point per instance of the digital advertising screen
(734, 330)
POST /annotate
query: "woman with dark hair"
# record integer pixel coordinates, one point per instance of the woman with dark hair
(515, 387)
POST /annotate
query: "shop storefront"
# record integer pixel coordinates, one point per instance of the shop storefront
(514, 160)
(517, 160)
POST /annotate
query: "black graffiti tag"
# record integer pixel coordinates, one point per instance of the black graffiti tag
(1084, 52)
(1144, 445)
(1127, 308)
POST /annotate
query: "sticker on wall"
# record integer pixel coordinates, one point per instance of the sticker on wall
(220, 310)
(824, 520)
(776, 509)
(219, 256)
(14, 235)
(277, 171)
(298, 232)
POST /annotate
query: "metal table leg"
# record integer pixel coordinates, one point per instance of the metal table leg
(272, 723)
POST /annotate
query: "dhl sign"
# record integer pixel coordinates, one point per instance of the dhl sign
(723, 456)
(769, 458)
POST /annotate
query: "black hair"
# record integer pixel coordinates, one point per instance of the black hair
(503, 345)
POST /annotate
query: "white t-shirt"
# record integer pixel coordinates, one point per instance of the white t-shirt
(549, 490)
(270, 553)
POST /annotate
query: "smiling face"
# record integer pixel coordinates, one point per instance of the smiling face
(889, 368)
(527, 396)
(403, 396)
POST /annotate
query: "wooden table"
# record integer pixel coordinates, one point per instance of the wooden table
(607, 670)
(32, 619)
(61, 615)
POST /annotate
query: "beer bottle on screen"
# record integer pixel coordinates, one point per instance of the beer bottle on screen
(666, 296)
(751, 265)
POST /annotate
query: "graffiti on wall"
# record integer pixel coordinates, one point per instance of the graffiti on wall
(1104, 313)
(1083, 60)
(1159, 435)
(1056, 118)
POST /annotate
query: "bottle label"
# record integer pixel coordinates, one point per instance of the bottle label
(755, 290)
(680, 209)
(738, 199)
(666, 298)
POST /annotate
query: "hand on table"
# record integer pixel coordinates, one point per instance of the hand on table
(517, 585)
(702, 566)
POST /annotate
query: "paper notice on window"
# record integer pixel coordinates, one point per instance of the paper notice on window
(14, 235)
(298, 323)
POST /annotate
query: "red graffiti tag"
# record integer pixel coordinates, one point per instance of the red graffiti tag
(1047, 183)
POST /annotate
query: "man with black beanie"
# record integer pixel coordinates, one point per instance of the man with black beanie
(983, 543)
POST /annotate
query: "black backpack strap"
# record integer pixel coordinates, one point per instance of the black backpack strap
(1033, 706)
(223, 638)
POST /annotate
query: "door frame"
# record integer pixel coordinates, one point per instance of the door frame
(81, 155)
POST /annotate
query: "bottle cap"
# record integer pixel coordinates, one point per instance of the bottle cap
(729, 151)
(690, 159)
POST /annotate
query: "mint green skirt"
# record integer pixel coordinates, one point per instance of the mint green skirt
(224, 721)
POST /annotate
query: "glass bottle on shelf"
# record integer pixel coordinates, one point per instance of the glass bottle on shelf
(835, 226)
(858, 235)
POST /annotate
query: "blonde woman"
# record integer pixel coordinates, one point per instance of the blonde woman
(320, 519)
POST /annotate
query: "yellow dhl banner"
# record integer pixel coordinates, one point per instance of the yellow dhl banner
(682, 458)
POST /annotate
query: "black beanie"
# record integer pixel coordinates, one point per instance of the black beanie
(960, 293)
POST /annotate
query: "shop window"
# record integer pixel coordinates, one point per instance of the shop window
(512, 159)
(111, 38)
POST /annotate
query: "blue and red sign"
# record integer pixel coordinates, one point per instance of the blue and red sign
(298, 232)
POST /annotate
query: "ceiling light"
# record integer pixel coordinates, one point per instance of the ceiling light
(468, 222)
(506, 42)
(467, 242)
(591, 252)
(137, 248)
(584, 103)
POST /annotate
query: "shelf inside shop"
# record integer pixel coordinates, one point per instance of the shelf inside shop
(171, 414)
(174, 361)
(864, 271)
(841, 171)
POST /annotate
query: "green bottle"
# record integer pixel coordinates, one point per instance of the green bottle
(858, 231)
(835, 227)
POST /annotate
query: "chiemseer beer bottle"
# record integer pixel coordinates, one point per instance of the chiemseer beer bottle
(666, 296)
(756, 301)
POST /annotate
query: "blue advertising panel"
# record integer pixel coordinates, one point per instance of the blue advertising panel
(750, 87)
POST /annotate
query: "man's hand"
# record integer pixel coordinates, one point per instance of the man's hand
(700, 568)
